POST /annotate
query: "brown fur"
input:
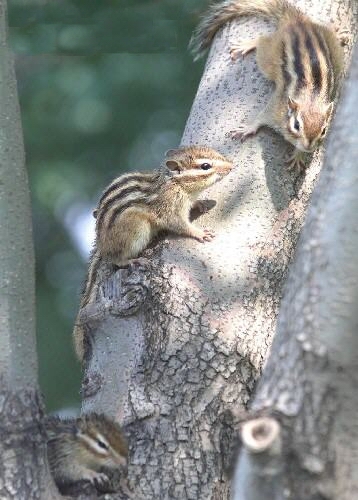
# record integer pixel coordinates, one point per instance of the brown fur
(303, 58)
(136, 207)
(74, 447)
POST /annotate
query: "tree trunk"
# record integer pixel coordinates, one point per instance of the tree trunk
(310, 380)
(177, 347)
(23, 471)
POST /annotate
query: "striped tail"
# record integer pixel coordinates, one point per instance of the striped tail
(222, 13)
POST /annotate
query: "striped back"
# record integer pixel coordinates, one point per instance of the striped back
(129, 190)
(307, 62)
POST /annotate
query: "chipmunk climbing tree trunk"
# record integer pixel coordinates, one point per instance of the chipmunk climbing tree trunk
(178, 344)
(309, 401)
(23, 471)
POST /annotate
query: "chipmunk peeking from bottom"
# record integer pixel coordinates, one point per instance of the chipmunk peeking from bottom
(84, 449)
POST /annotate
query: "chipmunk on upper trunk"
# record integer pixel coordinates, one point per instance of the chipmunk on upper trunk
(135, 207)
(303, 58)
(79, 448)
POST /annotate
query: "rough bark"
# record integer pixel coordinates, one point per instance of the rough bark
(23, 470)
(309, 383)
(177, 347)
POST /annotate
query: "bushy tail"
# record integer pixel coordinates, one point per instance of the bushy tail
(79, 339)
(88, 295)
(221, 13)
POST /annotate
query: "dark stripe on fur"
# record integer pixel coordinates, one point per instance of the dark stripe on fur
(314, 62)
(327, 56)
(297, 62)
(121, 182)
(286, 75)
(117, 211)
(115, 199)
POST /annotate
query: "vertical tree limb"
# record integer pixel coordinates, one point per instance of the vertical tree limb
(261, 461)
(177, 347)
(23, 470)
(309, 383)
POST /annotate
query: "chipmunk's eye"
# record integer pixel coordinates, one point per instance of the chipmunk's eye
(296, 125)
(205, 166)
(102, 445)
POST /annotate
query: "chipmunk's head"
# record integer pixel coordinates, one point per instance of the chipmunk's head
(307, 123)
(101, 442)
(196, 168)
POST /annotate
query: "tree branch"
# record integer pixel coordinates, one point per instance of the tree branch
(310, 380)
(261, 462)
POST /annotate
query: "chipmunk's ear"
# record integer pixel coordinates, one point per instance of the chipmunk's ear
(94, 213)
(292, 104)
(174, 166)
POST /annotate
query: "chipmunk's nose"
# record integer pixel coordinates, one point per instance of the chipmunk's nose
(122, 461)
(305, 145)
(226, 167)
(310, 145)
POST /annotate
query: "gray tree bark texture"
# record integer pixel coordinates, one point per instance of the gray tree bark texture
(23, 467)
(178, 346)
(309, 384)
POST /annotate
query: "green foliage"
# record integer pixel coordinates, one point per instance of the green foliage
(105, 86)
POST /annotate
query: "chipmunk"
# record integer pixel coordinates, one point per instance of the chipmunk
(304, 60)
(79, 448)
(135, 207)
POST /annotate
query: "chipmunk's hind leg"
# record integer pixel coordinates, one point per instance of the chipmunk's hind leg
(243, 47)
(139, 226)
(269, 55)
(130, 235)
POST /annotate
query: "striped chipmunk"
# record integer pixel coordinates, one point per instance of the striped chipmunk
(136, 207)
(304, 60)
(84, 448)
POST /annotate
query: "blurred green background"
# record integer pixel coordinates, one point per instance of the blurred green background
(105, 86)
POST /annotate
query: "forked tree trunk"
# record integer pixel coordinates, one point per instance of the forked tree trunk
(178, 347)
(309, 385)
(23, 470)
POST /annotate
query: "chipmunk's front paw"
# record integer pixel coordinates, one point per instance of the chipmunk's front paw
(95, 477)
(203, 235)
(296, 161)
(243, 133)
(208, 235)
